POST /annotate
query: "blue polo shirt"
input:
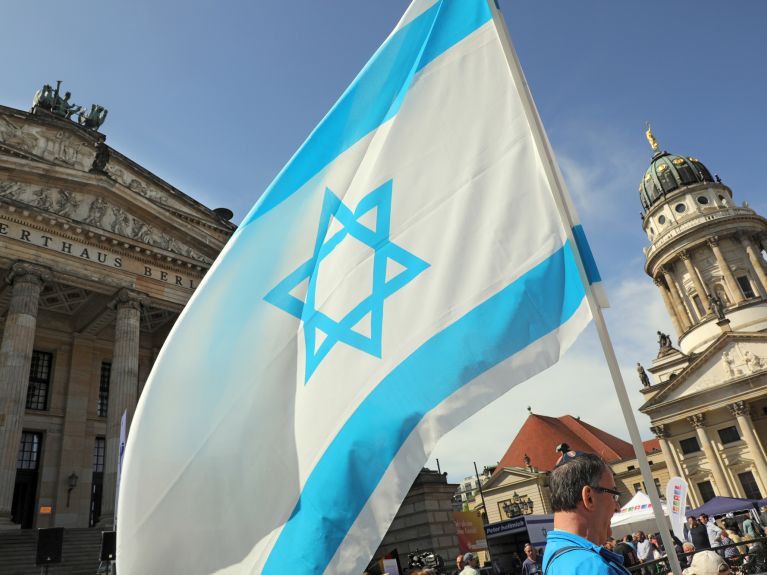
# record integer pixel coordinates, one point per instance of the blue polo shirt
(589, 559)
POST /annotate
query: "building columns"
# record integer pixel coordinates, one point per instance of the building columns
(729, 279)
(681, 312)
(15, 361)
(699, 289)
(756, 262)
(669, 305)
(123, 390)
(740, 410)
(722, 487)
(662, 434)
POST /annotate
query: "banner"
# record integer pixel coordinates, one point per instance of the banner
(471, 531)
(676, 497)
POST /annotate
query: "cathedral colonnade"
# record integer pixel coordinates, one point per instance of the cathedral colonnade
(26, 281)
(123, 390)
(732, 285)
(681, 304)
(15, 360)
(711, 466)
(741, 411)
(721, 486)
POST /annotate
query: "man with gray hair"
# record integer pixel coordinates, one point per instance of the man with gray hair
(584, 499)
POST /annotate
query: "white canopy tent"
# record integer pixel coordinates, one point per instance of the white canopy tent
(636, 515)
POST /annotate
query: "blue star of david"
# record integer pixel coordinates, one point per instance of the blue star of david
(373, 304)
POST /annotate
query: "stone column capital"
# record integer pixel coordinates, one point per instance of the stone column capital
(713, 241)
(697, 421)
(26, 272)
(660, 431)
(658, 281)
(127, 298)
(739, 408)
(684, 255)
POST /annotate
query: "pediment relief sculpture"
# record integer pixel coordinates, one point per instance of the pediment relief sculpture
(738, 361)
(71, 149)
(141, 187)
(56, 146)
(732, 361)
(95, 211)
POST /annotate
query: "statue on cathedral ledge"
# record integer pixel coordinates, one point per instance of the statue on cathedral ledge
(717, 306)
(664, 343)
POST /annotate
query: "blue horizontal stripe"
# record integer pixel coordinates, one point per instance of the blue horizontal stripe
(589, 263)
(375, 96)
(350, 469)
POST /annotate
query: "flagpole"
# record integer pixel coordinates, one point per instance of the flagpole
(567, 212)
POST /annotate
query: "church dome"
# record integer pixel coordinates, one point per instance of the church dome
(668, 172)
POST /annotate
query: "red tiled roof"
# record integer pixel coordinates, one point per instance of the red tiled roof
(651, 445)
(540, 436)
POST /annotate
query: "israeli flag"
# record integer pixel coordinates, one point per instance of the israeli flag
(407, 267)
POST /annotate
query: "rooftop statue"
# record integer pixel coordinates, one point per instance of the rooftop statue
(94, 118)
(664, 343)
(44, 98)
(49, 99)
(651, 139)
(62, 107)
(643, 377)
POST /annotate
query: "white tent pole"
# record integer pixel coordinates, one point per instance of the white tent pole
(566, 210)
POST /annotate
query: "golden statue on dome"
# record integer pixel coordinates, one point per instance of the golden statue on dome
(651, 138)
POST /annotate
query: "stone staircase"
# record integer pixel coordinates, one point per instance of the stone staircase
(80, 554)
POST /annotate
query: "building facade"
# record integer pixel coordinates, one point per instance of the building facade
(517, 499)
(523, 471)
(707, 395)
(98, 257)
(467, 494)
(424, 521)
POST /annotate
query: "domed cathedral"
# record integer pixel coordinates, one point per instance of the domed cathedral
(706, 395)
(98, 256)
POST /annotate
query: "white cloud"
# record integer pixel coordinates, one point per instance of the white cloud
(603, 167)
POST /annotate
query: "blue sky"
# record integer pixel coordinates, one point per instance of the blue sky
(215, 97)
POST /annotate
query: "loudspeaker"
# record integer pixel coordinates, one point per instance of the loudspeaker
(108, 545)
(49, 544)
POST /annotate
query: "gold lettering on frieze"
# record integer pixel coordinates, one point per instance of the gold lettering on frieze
(101, 256)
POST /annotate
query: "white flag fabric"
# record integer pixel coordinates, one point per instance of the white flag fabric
(676, 499)
(406, 268)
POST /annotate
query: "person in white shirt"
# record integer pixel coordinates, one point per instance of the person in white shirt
(644, 548)
(714, 532)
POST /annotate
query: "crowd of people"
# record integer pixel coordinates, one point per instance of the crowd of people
(584, 498)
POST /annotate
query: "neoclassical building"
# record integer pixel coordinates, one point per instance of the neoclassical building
(525, 467)
(519, 486)
(707, 395)
(98, 257)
